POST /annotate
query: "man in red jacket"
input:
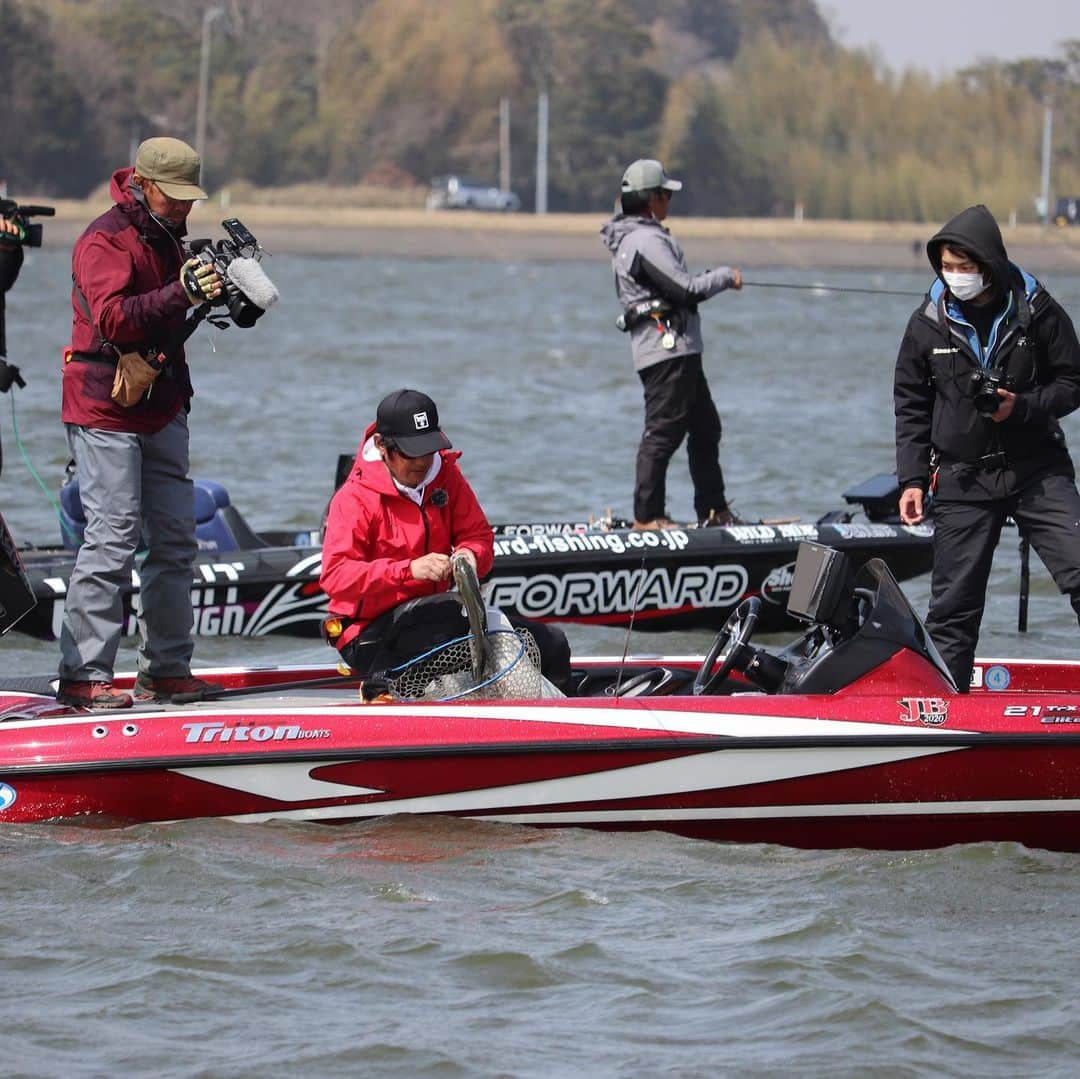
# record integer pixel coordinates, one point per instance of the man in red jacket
(391, 529)
(129, 297)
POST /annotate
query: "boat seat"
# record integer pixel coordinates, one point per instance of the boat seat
(219, 525)
(643, 682)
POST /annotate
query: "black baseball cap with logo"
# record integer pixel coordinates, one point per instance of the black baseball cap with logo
(411, 419)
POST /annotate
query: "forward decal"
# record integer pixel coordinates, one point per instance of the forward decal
(583, 594)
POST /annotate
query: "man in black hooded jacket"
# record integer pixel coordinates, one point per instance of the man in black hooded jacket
(988, 365)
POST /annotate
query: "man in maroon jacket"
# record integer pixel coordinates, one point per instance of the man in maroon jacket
(129, 297)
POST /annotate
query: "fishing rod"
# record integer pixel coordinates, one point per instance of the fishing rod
(630, 629)
(833, 288)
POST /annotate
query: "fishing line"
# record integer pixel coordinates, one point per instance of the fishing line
(630, 629)
(64, 526)
(833, 288)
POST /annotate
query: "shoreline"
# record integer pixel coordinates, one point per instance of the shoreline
(744, 242)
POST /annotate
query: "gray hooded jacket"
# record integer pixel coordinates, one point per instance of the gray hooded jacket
(650, 264)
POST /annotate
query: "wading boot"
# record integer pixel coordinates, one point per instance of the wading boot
(97, 696)
(181, 690)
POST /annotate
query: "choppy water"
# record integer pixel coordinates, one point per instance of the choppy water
(450, 948)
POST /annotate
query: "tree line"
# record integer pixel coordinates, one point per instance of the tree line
(754, 104)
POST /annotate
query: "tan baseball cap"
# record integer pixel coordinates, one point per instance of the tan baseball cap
(172, 165)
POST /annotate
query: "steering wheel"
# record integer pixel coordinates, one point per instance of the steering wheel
(735, 632)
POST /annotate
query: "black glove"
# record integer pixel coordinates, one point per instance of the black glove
(9, 373)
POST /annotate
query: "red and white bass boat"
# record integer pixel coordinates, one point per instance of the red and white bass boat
(851, 736)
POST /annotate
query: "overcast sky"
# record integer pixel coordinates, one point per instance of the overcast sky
(942, 35)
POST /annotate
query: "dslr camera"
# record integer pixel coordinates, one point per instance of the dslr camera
(247, 292)
(984, 390)
(10, 209)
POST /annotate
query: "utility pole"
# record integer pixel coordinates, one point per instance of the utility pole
(1048, 130)
(204, 84)
(504, 144)
(541, 152)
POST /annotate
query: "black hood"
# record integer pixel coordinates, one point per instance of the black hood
(976, 231)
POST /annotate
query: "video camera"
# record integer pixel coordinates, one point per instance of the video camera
(247, 291)
(10, 209)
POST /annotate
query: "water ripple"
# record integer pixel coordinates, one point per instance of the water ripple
(452, 948)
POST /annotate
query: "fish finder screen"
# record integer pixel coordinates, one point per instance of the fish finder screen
(821, 585)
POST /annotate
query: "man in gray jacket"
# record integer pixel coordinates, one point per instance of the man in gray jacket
(659, 297)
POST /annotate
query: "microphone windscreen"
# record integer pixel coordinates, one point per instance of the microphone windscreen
(250, 278)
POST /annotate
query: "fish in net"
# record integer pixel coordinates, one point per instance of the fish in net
(446, 673)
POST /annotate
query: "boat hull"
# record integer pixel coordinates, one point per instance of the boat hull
(872, 769)
(672, 579)
(811, 812)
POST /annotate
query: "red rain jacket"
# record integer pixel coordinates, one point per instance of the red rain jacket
(373, 533)
(127, 266)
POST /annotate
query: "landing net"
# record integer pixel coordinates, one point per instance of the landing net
(446, 673)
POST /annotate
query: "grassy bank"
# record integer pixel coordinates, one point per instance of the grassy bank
(307, 228)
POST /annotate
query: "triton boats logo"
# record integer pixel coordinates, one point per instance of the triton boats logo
(930, 711)
(242, 732)
(7, 797)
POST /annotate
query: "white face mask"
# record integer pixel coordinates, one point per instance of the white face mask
(964, 286)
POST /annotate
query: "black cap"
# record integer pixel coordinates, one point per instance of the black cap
(411, 419)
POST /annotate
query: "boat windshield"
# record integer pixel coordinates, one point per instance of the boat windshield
(891, 615)
(858, 625)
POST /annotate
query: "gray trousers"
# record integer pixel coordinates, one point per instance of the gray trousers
(131, 485)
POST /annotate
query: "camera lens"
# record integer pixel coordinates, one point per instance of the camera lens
(984, 395)
(242, 311)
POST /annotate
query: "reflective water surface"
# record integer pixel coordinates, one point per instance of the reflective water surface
(448, 948)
